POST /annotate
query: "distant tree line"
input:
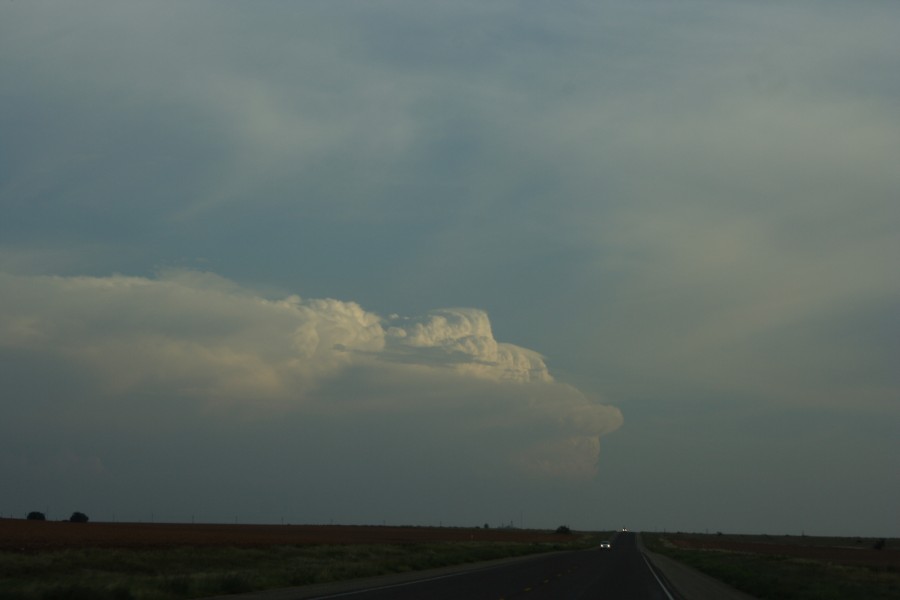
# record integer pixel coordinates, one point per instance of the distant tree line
(77, 517)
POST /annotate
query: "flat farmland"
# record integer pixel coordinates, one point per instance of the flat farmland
(30, 536)
(846, 551)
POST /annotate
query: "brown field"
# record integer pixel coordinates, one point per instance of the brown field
(846, 551)
(35, 536)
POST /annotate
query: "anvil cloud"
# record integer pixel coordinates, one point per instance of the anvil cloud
(198, 338)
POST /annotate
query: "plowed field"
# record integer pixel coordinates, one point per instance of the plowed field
(33, 536)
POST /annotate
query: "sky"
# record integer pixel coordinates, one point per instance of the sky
(596, 263)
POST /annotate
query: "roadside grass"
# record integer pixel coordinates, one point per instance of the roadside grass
(178, 573)
(774, 577)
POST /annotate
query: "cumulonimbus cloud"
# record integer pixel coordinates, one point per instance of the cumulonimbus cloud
(207, 340)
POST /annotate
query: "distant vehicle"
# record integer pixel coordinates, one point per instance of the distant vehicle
(605, 545)
(624, 529)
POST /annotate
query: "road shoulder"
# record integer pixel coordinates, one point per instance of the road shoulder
(689, 583)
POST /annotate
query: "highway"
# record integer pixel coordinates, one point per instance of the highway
(620, 572)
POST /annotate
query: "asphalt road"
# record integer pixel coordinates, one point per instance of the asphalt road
(617, 573)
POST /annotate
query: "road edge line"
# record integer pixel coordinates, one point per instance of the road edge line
(656, 577)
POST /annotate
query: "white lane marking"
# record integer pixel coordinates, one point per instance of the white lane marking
(656, 577)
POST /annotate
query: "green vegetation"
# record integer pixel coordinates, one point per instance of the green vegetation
(775, 577)
(189, 572)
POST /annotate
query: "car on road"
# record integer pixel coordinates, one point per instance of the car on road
(605, 545)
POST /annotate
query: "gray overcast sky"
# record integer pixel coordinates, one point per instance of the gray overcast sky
(595, 263)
